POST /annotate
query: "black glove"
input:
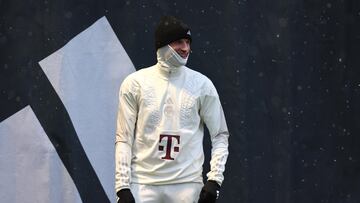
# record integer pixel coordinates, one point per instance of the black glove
(125, 196)
(210, 192)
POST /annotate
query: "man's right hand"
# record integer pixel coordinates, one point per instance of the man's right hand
(125, 196)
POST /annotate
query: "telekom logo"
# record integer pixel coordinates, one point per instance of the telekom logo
(168, 145)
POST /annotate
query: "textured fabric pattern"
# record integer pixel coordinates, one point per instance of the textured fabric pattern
(170, 108)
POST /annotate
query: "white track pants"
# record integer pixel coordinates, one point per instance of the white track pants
(174, 193)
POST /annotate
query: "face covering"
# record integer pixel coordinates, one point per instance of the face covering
(168, 57)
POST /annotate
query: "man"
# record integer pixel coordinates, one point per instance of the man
(160, 127)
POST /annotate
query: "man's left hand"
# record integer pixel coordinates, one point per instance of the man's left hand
(210, 192)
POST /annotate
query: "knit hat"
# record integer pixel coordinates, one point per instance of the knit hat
(169, 30)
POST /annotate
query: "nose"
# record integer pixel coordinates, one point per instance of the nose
(185, 46)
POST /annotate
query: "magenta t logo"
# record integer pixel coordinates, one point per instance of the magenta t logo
(168, 145)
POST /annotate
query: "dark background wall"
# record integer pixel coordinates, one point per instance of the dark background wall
(286, 71)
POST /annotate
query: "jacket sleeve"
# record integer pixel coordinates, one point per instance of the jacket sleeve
(213, 116)
(125, 127)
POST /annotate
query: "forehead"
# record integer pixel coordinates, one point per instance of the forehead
(182, 40)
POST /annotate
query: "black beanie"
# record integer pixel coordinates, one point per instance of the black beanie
(169, 30)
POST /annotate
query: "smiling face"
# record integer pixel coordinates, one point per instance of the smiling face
(182, 47)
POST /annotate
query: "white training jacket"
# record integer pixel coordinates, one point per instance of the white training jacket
(160, 128)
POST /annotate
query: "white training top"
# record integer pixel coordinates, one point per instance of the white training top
(160, 128)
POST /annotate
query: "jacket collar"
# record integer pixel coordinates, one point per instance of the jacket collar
(170, 63)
